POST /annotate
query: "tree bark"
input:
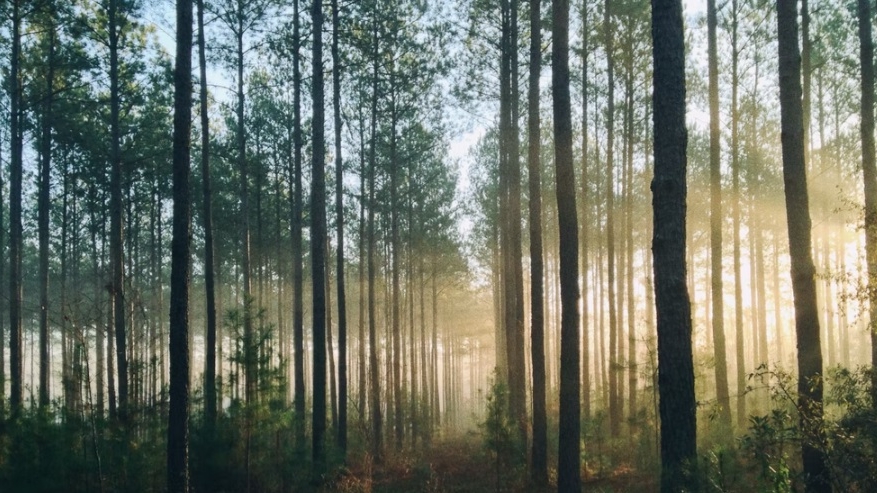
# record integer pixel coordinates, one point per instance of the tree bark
(569, 447)
(178, 415)
(116, 227)
(15, 227)
(669, 190)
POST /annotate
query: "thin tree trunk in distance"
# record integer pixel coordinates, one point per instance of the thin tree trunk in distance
(675, 365)
(583, 235)
(297, 254)
(43, 211)
(614, 398)
(718, 307)
(209, 262)
(735, 177)
(318, 243)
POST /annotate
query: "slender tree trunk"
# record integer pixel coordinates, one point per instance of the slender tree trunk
(45, 174)
(330, 348)
(297, 247)
(394, 265)
(318, 242)
(716, 218)
(869, 172)
(569, 447)
(15, 227)
(241, 142)
(583, 234)
(178, 416)
(735, 177)
(339, 208)
(116, 228)
(210, 404)
(675, 366)
(517, 360)
(614, 398)
(363, 172)
(539, 452)
(374, 370)
(798, 217)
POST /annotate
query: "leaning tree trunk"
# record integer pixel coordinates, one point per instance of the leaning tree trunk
(803, 270)
(675, 365)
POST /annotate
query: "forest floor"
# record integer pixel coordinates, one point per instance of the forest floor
(462, 465)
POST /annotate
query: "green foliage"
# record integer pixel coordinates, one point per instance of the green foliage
(498, 428)
(847, 434)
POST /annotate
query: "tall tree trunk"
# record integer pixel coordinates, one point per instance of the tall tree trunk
(330, 348)
(716, 218)
(43, 206)
(243, 165)
(15, 228)
(209, 260)
(394, 265)
(735, 186)
(583, 234)
(363, 172)
(798, 218)
(339, 208)
(539, 453)
(318, 242)
(869, 172)
(116, 229)
(517, 360)
(669, 190)
(297, 247)
(374, 370)
(178, 415)
(569, 446)
(614, 398)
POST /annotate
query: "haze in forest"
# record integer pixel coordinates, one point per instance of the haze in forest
(448, 245)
